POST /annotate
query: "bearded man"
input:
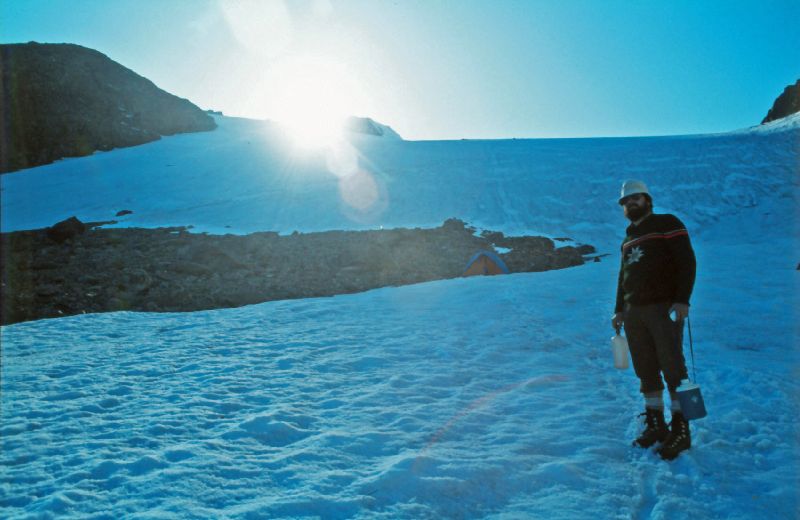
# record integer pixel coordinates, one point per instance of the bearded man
(656, 279)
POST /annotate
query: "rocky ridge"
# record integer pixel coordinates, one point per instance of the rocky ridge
(64, 100)
(73, 268)
(786, 104)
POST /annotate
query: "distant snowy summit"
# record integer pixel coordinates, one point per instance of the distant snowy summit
(65, 100)
(365, 125)
(786, 104)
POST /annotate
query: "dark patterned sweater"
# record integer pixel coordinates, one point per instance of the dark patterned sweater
(658, 263)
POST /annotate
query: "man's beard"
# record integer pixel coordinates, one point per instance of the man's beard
(634, 213)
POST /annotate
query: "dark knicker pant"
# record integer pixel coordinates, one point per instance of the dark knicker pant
(656, 345)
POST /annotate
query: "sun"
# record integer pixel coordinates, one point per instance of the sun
(311, 97)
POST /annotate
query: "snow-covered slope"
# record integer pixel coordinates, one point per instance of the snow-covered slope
(790, 122)
(246, 177)
(473, 398)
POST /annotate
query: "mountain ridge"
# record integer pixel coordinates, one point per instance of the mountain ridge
(66, 100)
(786, 104)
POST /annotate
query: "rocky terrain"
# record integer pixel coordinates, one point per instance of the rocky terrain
(786, 104)
(74, 268)
(64, 100)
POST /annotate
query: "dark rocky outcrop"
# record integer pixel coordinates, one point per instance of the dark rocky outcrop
(170, 269)
(66, 229)
(63, 100)
(788, 103)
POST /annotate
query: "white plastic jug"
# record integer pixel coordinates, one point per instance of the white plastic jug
(619, 345)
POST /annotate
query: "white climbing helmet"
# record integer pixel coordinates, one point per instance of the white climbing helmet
(632, 187)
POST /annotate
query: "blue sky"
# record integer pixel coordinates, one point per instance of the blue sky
(449, 69)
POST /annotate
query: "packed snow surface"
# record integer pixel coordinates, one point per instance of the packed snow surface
(489, 397)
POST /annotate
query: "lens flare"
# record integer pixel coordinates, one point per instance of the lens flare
(359, 191)
(342, 159)
(311, 97)
(262, 28)
(364, 196)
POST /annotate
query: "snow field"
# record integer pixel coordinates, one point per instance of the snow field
(488, 397)
(243, 178)
(491, 397)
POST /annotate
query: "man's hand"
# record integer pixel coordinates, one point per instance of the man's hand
(617, 320)
(681, 311)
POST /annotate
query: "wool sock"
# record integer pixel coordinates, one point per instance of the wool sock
(654, 400)
(674, 403)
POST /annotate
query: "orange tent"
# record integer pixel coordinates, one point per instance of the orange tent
(485, 262)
